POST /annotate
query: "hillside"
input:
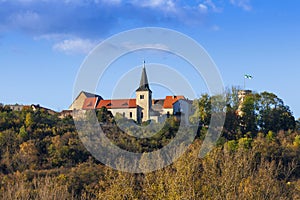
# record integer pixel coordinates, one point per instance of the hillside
(257, 157)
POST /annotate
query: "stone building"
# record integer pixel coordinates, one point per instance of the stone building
(81, 98)
(140, 109)
(34, 107)
(241, 96)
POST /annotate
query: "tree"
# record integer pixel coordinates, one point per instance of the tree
(232, 99)
(230, 129)
(270, 136)
(104, 115)
(273, 114)
(298, 124)
(28, 120)
(23, 133)
(297, 141)
(27, 156)
(202, 109)
(249, 115)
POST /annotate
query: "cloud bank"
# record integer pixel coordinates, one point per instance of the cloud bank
(85, 21)
(75, 46)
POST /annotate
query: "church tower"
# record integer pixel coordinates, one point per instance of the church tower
(143, 98)
(242, 95)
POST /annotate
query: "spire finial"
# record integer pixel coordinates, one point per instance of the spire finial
(144, 63)
(144, 85)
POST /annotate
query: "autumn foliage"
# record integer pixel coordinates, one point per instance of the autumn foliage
(42, 157)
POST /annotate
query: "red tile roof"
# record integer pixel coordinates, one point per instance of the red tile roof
(90, 103)
(117, 103)
(170, 100)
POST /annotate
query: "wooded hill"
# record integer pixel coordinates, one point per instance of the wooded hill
(257, 156)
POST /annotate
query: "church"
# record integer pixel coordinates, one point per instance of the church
(142, 108)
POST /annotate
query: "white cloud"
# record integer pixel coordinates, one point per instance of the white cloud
(131, 46)
(212, 6)
(245, 4)
(203, 8)
(75, 46)
(69, 44)
(166, 5)
(152, 3)
(111, 2)
(62, 20)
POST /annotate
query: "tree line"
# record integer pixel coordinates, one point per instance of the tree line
(259, 112)
(256, 157)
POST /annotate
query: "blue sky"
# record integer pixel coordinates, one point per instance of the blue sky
(44, 42)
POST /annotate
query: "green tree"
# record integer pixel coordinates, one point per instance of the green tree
(104, 115)
(230, 129)
(23, 133)
(202, 109)
(297, 141)
(249, 115)
(273, 114)
(232, 145)
(270, 136)
(232, 99)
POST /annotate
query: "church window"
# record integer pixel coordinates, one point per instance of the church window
(142, 97)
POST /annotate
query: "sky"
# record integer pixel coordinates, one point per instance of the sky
(43, 43)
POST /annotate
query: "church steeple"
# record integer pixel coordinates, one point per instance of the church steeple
(143, 98)
(144, 85)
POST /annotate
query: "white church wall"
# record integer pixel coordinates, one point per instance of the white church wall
(125, 112)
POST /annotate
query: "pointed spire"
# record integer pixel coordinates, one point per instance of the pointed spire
(144, 85)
